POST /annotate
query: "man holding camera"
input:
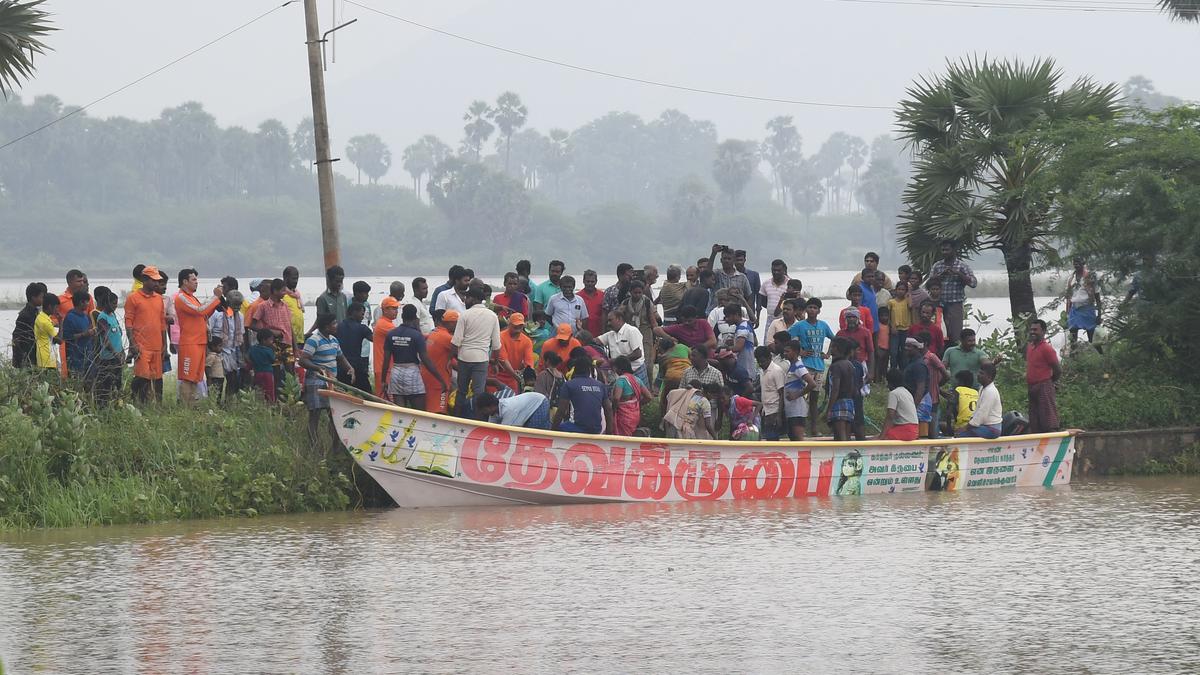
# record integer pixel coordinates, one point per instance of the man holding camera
(728, 276)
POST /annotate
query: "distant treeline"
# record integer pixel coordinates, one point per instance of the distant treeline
(180, 189)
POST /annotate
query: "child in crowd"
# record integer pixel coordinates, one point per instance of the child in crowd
(934, 286)
(916, 294)
(843, 388)
(855, 295)
(883, 343)
(743, 411)
(962, 399)
(45, 335)
(900, 314)
(111, 367)
(214, 367)
(262, 361)
(672, 362)
(795, 291)
(900, 423)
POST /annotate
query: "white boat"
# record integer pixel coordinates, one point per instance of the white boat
(423, 460)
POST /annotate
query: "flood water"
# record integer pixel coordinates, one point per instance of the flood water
(1096, 577)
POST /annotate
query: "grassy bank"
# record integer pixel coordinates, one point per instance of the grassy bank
(64, 464)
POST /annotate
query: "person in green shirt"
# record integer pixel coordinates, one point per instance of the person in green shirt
(966, 355)
(547, 289)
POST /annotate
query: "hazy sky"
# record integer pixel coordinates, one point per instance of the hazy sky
(400, 81)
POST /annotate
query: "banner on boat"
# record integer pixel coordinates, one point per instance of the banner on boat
(636, 469)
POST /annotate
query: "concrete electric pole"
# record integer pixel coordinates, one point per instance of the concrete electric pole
(324, 162)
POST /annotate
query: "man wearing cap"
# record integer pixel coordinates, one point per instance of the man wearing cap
(476, 343)
(146, 326)
(516, 353)
(389, 309)
(437, 345)
(192, 317)
(562, 344)
(227, 324)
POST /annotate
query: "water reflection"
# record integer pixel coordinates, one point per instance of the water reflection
(1097, 577)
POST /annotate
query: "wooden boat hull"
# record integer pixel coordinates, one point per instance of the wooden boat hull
(427, 460)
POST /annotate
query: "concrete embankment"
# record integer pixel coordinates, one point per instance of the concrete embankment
(1100, 453)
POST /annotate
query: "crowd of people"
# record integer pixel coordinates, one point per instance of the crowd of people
(724, 349)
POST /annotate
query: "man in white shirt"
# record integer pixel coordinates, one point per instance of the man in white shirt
(989, 412)
(566, 307)
(476, 342)
(455, 297)
(771, 381)
(625, 340)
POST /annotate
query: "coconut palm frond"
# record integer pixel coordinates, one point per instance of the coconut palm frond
(1182, 10)
(23, 24)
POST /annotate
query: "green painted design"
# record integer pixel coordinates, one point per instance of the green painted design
(1058, 459)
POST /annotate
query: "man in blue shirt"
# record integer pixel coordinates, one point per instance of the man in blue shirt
(355, 339)
(583, 405)
(812, 334)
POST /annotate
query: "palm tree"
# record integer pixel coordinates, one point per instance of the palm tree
(23, 24)
(734, 166)
(977, 167)
(781, 149)
(856, 156)
(1182, 10)
(477, 129)
(509, 116)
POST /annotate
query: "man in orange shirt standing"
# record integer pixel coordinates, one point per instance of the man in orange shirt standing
(437, 346)
(192, 319)
(76, 281)
(516, 353)
(388, 309)
(146, 326)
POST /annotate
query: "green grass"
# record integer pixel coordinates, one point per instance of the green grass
(64, 464)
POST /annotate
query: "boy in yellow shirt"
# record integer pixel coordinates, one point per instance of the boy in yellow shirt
(45, 332)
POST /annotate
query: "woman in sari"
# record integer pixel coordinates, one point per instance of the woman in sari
(628, 395)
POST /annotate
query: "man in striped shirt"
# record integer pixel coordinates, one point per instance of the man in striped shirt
(321, 356)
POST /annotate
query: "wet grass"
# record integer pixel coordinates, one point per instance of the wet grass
(63, 463)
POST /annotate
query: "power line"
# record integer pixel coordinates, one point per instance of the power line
(148, 75)
(618, 76)
(1091, 6)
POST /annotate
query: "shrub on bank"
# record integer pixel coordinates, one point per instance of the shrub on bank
(63, 463)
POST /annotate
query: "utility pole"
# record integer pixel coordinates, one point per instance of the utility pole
(324, 162)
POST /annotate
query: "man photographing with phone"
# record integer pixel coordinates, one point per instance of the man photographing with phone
(728, 276)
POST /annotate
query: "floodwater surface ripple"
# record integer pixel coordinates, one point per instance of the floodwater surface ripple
(1096, 577)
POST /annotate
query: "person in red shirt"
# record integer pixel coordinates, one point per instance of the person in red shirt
(692, 330)
(146, 327)
(861, 337)
(512, 299)
(926, 324)
(192, 318)
(1042, 371)
(593, 298)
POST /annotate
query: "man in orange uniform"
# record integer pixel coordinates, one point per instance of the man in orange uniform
(76, 281)
(516, 353)
(192, 319)
(562, 344)
(146, 326)
(388, 309)
(437, 346)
